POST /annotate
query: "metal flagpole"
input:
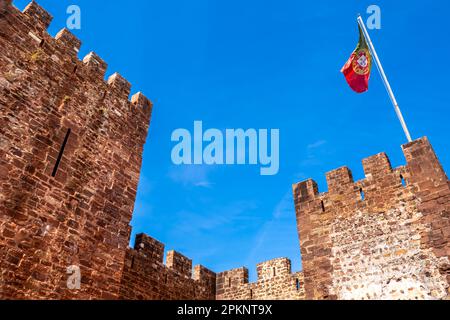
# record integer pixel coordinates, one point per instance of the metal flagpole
(385, 80)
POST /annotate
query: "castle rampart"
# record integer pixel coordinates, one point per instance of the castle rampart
(145, 277)
(275, 281)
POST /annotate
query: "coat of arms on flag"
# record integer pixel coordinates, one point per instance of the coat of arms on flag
(358, 67)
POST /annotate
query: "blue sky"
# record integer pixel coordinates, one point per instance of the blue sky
(263, 64)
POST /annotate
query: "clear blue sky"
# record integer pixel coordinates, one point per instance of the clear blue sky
(263, 64)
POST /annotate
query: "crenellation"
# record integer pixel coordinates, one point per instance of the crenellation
(205, 275)
(273, 268)
(275, 281)
(69, 42)
(95, 65)
(67, 45)
(146, 277)
(38, 17)
(207, 280)
(233, 278)
(179, 263)
(121, 86)
(305, 190)
(339, 180)
(142, 103)
(151, 248)
(377, 165)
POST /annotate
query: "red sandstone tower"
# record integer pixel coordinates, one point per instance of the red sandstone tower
(384, 237)
(70, 157)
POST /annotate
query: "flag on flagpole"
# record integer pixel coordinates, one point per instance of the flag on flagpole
(358, 67)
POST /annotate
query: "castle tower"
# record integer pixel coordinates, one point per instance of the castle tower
(384, 237)
(70, 157)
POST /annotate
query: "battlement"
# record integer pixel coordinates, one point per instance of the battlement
(62, 51)
(146, 277)
(153, 250)
(68, 40)
(203, 274)
(378, 174)
(38, 16)
(275, 281)
(273, 268)
(179, 263)
(232, 278)
(149, 247)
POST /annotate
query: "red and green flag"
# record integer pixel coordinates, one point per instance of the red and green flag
(358, 67)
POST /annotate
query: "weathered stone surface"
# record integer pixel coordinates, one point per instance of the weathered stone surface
(145, 277)
(384, 237)
(81, 215)
(275, 281)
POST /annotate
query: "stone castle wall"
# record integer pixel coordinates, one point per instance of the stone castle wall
(384, 237)
(145, 277)
(275, 282)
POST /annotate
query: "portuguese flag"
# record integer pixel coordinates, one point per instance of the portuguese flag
(358, 67)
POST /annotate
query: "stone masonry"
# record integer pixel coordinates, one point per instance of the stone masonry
(70, 157)
(145, 277)
(275, 282)
(71, 149)
(384, 237)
